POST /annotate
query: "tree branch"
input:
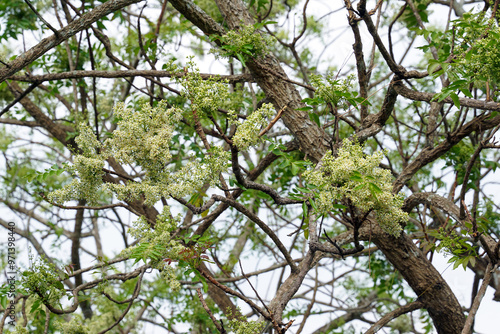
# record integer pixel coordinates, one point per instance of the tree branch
(393, 315)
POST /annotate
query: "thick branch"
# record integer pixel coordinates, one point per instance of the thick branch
(402, 90)
(432, 199)
(241, 208)
(124, 74)
(267, 73)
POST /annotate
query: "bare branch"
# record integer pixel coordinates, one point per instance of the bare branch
(393, 315)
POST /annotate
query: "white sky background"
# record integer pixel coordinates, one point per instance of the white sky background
(336, 54)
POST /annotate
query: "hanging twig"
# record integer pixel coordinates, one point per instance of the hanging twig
(54, 30)
(218, 324)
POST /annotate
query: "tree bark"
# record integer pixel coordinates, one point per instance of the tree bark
(430, 288)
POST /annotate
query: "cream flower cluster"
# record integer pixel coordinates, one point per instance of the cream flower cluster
(247, 133)
(356, 176)
(142, 138)
(332, 90)
(159, 240)
(206, 95)
(88, 186)
(246, 41)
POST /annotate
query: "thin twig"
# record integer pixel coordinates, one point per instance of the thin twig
(230, 291)
(270, 125)
(393, 315)
(134, 296)
(477, 300)
(54, 30)
(19, 98)
(219, 326)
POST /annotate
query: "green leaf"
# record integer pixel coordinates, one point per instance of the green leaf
(315, 118)
(304, 208)
(356, 178)
(455, 99)
(100, 25)
(265, 23)
(284, 164)
(433, 65)
(374, 188)
(466, 92)
(241, 59)
(278, 152)
(361, 186)
(41, 313)
(312, 102)
(313, 204)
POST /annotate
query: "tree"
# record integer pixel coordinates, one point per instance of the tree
(284, 195)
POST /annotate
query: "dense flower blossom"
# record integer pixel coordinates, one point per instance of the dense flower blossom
(357, 177)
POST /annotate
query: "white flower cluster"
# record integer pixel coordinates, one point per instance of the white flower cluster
(241, 325)
(87, 141)
(247, 133)
(243, 43)
(88, 185)
(332, 90)
(159, 238)
(75, 326)
(206, 96)
(143, 139)
(88, 166)
(165, 222)
(355, 176)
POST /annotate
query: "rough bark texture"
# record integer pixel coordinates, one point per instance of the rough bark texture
(220, 298)
(425, 280)
(427, 97)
